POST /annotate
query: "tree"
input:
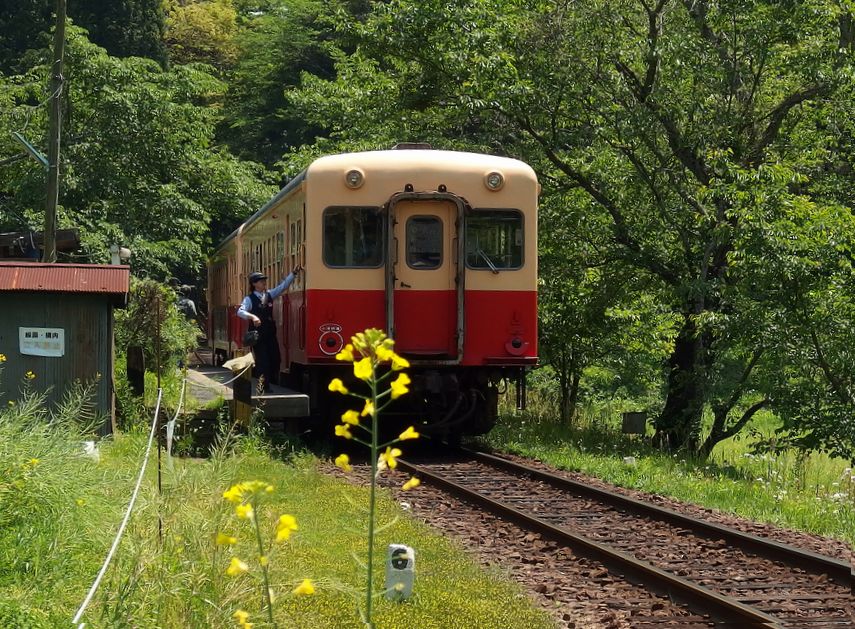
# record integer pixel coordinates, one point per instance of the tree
(675, 118)
(203, 32)
(124, 27)
(276, 42)
(140, 167)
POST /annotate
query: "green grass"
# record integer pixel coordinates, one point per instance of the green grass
(813, 493)
(59, 515)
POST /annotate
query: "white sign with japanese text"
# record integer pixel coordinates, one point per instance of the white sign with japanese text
(42, 341)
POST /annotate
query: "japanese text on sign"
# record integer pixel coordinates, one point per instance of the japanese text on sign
(42, 341)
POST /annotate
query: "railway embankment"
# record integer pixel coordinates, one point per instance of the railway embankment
(746, 483)
(769, 577)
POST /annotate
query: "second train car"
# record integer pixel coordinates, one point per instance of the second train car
(437, 248)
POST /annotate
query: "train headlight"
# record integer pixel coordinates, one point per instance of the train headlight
(354, 178)
(494, 181)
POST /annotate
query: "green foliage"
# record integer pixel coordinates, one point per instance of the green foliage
(277, 41)
(16, 614)
(202, 32)
(24, 25)
(140, 167)
(123, 27)
(152, 309)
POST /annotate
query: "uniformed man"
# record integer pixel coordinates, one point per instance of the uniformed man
(257, 308)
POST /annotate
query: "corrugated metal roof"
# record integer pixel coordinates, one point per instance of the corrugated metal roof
(65, 278)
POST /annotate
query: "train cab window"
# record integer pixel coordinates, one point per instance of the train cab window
(494, 239)
(353, 237)
(424, 242)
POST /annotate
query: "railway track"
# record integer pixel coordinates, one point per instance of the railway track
(723, 576)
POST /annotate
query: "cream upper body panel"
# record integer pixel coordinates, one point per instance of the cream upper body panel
(387, 172)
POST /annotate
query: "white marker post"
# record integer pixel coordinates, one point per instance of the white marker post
(400, 572)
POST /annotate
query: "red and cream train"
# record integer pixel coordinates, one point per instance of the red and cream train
(438, 248)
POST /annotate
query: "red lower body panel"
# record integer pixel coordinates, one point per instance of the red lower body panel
(500, 327)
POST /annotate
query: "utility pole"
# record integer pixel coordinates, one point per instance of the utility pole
(54, 134)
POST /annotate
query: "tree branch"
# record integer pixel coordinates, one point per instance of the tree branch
(743, 379)
(839, 387)
(698, 10)
(746, 417)
(687, 156)
(776, 118)
(621, 230)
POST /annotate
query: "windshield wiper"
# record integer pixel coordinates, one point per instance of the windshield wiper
(488, 261)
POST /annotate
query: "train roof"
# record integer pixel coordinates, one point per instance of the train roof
(408, 159)
(391, 160)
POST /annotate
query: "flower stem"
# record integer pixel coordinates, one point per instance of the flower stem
(261, 554)
(374, 448)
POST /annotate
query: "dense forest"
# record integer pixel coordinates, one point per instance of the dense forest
(697, 160)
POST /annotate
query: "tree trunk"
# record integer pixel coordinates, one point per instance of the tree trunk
(569, 395)
(678, 424)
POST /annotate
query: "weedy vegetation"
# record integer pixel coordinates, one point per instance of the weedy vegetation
(60, 507)
(748, 475)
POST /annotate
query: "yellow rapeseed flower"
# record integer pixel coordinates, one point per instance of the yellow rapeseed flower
(225, 540)
(236, 567)
(2, 358)
(368, 409)
(384, 354)
(390, 456)
(80, 502)
(399, 385)
(30, 375)
(263, 561)
(409, 433)
(410, 484)
(305, 588)
(32, 462)
(241, 616)
(343, 461)
(343, 430)
(399, 363)
(286, 524)
(360, 341)
(255, 486)
(346, 354)
(351, 417)
(337, 386)
(233, 493)
(244, 512)
(362, 369)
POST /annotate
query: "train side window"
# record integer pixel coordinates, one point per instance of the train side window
(353, 237)
(424, 242)
(494, 239)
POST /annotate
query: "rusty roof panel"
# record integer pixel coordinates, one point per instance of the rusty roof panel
(65, 278)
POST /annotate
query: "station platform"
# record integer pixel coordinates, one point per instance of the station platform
(207, 383)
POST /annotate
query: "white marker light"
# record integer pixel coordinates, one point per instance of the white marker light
(354, 178)
(494, 181)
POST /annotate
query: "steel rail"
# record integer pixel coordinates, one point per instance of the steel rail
(836, 569)
(726, 611)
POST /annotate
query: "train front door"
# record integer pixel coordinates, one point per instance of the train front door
(424, 286)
